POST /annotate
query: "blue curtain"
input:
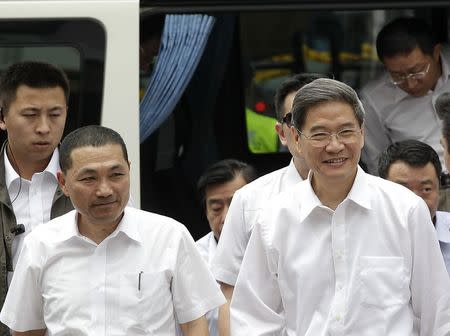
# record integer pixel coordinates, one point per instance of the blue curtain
(182, 44)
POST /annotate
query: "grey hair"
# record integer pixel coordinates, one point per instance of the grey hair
(443, 105)
(324, 90)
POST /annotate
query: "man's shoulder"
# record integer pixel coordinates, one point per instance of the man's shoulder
(152, 223)
(378, 91)
(53, 230)
(203, 244)
(204, 241)
(263, 182)
(443, 217)
(388, 191)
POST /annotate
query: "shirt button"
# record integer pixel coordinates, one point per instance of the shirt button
(338, 317)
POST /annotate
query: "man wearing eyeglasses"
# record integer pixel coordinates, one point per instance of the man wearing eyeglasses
(400, 104)
(342, 252)
(249, 199)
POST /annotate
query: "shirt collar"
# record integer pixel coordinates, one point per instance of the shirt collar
(360, 191)
(128, 226)
(359, 194)
(11, 175)
(292, 174)
(443, 226)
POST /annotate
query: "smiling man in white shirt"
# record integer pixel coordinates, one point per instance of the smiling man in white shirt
(104, 268)
(248, 200)
(343, 252)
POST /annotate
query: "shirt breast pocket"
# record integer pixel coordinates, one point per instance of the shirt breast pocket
(384, 281)
(145, 299)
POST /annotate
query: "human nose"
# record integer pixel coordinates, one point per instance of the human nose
(334, 142)
(104, 189)
(43, 125)
(410, 81)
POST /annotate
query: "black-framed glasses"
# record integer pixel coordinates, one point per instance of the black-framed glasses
(322, 139)
(398, 79)
(287, 119)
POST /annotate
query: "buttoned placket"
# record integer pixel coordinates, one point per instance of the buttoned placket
(338, 242)
(98, 298)
(35, 199)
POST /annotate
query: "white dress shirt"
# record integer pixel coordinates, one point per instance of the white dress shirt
(138, 281)
(370, 267)
(393, 115)
(241, 218)
(31, 200)
(443, 234)
(207, 247)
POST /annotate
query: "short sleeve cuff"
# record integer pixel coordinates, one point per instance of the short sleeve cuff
(223, 275)
(201, 309)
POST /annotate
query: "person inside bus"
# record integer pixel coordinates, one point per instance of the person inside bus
(33, 110)
(106, 268)
(399, 105)
(342, 252)
(416, 166)
(246, 201)
(216, 188)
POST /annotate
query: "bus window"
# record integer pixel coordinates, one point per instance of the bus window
(229, 99)
(275, 45)
(77, 46)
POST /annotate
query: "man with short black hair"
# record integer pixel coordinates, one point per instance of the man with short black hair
(33, 110)
(416, 166)
(105, 268)
(400, 104)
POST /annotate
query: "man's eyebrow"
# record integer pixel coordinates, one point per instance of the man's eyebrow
(340, 127)
(87, 171)
(412, 69)
(215, 201)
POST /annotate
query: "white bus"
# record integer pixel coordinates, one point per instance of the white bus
(252, 46)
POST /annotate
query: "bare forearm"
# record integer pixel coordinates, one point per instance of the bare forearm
(224, 310)
(198, 327)
(29, 333)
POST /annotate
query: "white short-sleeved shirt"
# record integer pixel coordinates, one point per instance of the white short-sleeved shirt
(393, 115)
(138, 281)
(443, 234)
(241, 218)
(207, 246)
(31, 200)
(371, 267)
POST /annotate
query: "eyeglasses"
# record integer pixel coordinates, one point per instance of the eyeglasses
(287, 119)
(398, 79)
(322, 139)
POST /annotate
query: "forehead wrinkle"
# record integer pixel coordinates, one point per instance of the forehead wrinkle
(341, 126)
(91, 170)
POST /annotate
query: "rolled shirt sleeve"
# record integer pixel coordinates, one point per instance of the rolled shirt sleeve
(233, 241)
(23, 307)
(256, 307)
(194, 290)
